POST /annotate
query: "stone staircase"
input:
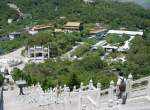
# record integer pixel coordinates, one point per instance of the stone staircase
(85, 98)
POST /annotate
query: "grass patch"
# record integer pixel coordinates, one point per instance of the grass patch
(115, 39)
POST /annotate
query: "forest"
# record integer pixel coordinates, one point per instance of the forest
(114, 15)
(67, 72)
(58, 71)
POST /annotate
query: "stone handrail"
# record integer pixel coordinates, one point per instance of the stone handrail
(89, 97)
(142, 79)
(92, 101)
(83, 88)
(139, 87)
(104, 92)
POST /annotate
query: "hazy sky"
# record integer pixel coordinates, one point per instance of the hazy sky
(145, 3)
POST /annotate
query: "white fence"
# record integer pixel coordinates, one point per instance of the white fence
(85, 98)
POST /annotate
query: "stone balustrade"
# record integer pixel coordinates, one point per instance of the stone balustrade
(87, 97)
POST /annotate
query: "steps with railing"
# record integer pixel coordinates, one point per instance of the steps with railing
(85, 98)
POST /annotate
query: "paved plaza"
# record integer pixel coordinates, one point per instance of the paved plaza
(36, 99)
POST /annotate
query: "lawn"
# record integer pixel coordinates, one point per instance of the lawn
(115, 39)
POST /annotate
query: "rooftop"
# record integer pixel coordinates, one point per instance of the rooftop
(100, 43)
(38, 27)
(58, 30)
(126, 32)
(110, 47)
(15, 33)
(72, 24)
(94, 31)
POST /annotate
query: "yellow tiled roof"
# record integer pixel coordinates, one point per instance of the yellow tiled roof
(71, 24)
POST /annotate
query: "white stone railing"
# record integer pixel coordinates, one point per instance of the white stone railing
(135, 88)
(140, 87)
(86, 97)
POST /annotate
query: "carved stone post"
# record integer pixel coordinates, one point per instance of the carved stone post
(90, 85)
(98, 94)
(48, 53)
(81, 86)
(34, 53)
(79, 96)
(129, 84)
(65, 98)
(42, 52)
(74, 88)
(65, 88)
(111, 91)
(51, 94)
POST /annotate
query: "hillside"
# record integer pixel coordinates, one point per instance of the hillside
(144, 3)
(114, 14)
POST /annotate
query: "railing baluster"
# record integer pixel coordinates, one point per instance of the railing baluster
(129, 84)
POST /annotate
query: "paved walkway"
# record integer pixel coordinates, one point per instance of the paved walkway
(17, 54)
(67, 55)
(12, 101)
(141, 103)
(126, 46)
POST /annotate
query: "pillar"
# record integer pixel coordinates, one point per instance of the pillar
(90, 85)
(42, 52)
(28, 51)
(48, 53)
(34, 53)
(98, 94)
(65, 98)
(74, 88)
(129, 84)
(111, 91)
(51, 94)
(79, 96)
(81, 86)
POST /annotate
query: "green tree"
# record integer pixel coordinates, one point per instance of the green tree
(17, 74)
(73, 81)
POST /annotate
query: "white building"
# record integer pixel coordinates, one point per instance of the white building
(89, 1)
(32, 32)
(121, 32)
(99, 44)
(38, 53)
(14, 35)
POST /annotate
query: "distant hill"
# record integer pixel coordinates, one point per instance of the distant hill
(144, 3)
(114, 14)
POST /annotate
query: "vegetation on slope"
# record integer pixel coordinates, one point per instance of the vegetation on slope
(57, 12)
(11, 45)
(114, 14)
(116, 39)
(60, 72)
(138, 57)
(58, 43)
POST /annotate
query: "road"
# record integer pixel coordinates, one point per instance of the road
(17, 54)
(68, 54)
(126, 46)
